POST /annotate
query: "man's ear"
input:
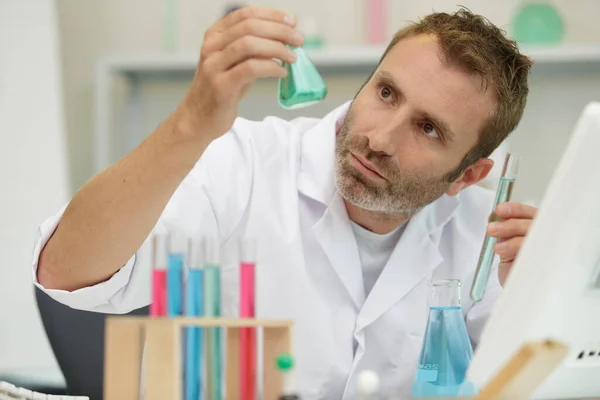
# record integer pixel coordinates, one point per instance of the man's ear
(473, 174)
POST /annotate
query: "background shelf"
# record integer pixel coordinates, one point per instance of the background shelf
(341, 59)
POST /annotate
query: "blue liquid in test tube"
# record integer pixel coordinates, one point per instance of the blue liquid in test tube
(176, 256)
(486, 257)
(212, 308)
(194, 307)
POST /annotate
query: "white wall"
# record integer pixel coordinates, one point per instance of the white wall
(93, 28)
(33, 170)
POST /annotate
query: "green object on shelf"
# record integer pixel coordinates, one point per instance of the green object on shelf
(308, 27)
(303, 86)
(313, 42)
(538, 23)
(285, 362)
(171, 25)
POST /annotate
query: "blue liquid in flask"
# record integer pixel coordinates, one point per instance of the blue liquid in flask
(446, 352)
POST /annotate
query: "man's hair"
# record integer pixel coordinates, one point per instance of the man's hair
(475, 45)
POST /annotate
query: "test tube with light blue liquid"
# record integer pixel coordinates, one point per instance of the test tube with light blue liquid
(175, 277)
(486, 257)
(212, 308)
(194, 307)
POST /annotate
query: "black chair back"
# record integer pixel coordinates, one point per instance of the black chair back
(77, 340)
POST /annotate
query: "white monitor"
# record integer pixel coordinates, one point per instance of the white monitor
(553, 291)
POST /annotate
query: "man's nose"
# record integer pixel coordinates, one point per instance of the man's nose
(383, 139)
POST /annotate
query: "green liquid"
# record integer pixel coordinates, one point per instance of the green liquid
(482, 275)
(303, 85)
(212, 301)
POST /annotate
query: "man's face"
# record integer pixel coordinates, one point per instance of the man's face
(408, 130)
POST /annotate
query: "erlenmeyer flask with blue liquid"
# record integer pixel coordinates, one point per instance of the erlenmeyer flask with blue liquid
(446, 351)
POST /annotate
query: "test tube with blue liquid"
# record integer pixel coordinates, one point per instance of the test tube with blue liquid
(194, 307)
(486, 257)
(175, 274)
(212, 308)
(446, 352)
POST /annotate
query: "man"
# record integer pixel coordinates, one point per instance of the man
(353, 214)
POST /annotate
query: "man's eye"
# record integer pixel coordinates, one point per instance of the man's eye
(385, 93)
(429, 130)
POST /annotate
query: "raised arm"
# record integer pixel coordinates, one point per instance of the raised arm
(113, 213)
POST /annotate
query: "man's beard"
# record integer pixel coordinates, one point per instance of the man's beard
(403, 193)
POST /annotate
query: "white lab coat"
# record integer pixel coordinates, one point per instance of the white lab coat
(274, 180)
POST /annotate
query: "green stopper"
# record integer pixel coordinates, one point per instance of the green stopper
(285, 362)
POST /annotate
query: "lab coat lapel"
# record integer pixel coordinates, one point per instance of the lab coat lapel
(414, 258)
(316, 177)
(317, 180)
(334, 232)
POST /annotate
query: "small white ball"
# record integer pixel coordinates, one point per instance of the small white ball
(368, 382)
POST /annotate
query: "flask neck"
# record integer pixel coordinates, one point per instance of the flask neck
(445, 293)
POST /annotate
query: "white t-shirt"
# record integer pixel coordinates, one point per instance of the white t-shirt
(374, 250)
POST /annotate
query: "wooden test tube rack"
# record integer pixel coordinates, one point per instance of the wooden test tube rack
(159, 340)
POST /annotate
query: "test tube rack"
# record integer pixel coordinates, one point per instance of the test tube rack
(159, 341)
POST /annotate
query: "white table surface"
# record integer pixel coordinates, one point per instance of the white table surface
(47, 377)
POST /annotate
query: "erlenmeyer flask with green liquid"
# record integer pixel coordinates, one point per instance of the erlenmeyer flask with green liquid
(303, 86)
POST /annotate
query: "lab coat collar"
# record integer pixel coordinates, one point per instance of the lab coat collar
(415, 256)
(335, 234)
(414, 259)
(317, 181)
(317, 157)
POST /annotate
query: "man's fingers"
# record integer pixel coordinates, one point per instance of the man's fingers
(509, 248)
(250, 47)
(253, 69)
(218, 39)
(265, 29)
(249, 12)
(509, 228)
(515, 210)
(253, 27)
